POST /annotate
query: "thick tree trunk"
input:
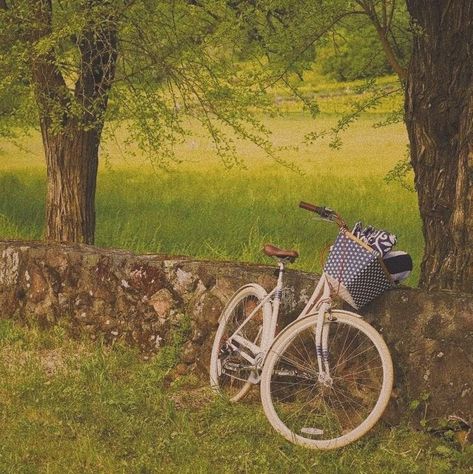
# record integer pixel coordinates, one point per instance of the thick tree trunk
(439, 118)
(72, 122)
(72, 160)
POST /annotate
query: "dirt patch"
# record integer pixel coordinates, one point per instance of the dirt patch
(194, 398)
(52, 361)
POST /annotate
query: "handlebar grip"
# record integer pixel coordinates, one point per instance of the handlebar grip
(311, 207)
(324, 212)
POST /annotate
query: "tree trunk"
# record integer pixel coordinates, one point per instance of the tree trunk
(439, 118)
(72, 160)
(72, 122)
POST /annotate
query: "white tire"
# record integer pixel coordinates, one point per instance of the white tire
(229, 371)
(318, 415)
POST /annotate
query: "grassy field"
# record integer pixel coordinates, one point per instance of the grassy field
(79, 407)
(202, 209)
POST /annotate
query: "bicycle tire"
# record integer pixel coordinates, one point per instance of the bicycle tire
(301, 408)
(235, 386)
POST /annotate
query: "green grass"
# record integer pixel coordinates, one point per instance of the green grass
(338, 97)
(77, 406)
(203, 210)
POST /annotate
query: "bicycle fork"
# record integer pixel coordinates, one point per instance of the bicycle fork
(321, 345)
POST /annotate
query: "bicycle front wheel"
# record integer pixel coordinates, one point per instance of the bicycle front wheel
(322, 412)
(232, 373)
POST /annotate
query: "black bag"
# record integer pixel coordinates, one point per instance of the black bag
(398, 264)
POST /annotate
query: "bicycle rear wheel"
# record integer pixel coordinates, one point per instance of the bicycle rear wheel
(231, 374)
(327, 414)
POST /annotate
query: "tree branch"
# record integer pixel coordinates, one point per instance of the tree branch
(391, 12)
(50, 88)
(385, 14)
(98, 56)
(390, 55)
(382, 29)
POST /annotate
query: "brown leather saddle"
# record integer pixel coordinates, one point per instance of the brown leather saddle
(283, 254)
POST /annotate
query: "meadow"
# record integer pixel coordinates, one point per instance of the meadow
(202, 209)
(78, 406)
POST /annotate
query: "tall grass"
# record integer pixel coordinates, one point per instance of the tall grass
(204, 210)
(79, 407)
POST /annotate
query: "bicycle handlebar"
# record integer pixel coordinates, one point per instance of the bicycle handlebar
(324, 213)
(311, 207)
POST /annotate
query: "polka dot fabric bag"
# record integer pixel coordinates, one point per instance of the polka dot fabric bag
(356, 271)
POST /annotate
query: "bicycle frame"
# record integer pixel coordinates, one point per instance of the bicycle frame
(319, 303)
(326, 362)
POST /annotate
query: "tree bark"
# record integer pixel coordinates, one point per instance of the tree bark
(439, 119)
(72, 161)
(72, 122)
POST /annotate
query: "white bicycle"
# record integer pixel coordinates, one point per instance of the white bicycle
(325, 379)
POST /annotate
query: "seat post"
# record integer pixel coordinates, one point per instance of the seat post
(281, 265)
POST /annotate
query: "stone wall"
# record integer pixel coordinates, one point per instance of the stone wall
(141, 299)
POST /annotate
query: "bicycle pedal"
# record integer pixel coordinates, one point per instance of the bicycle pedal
(254, 378)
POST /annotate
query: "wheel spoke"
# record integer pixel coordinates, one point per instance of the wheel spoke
(325, 411)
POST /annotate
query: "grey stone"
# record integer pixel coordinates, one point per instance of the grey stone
(144, 299)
